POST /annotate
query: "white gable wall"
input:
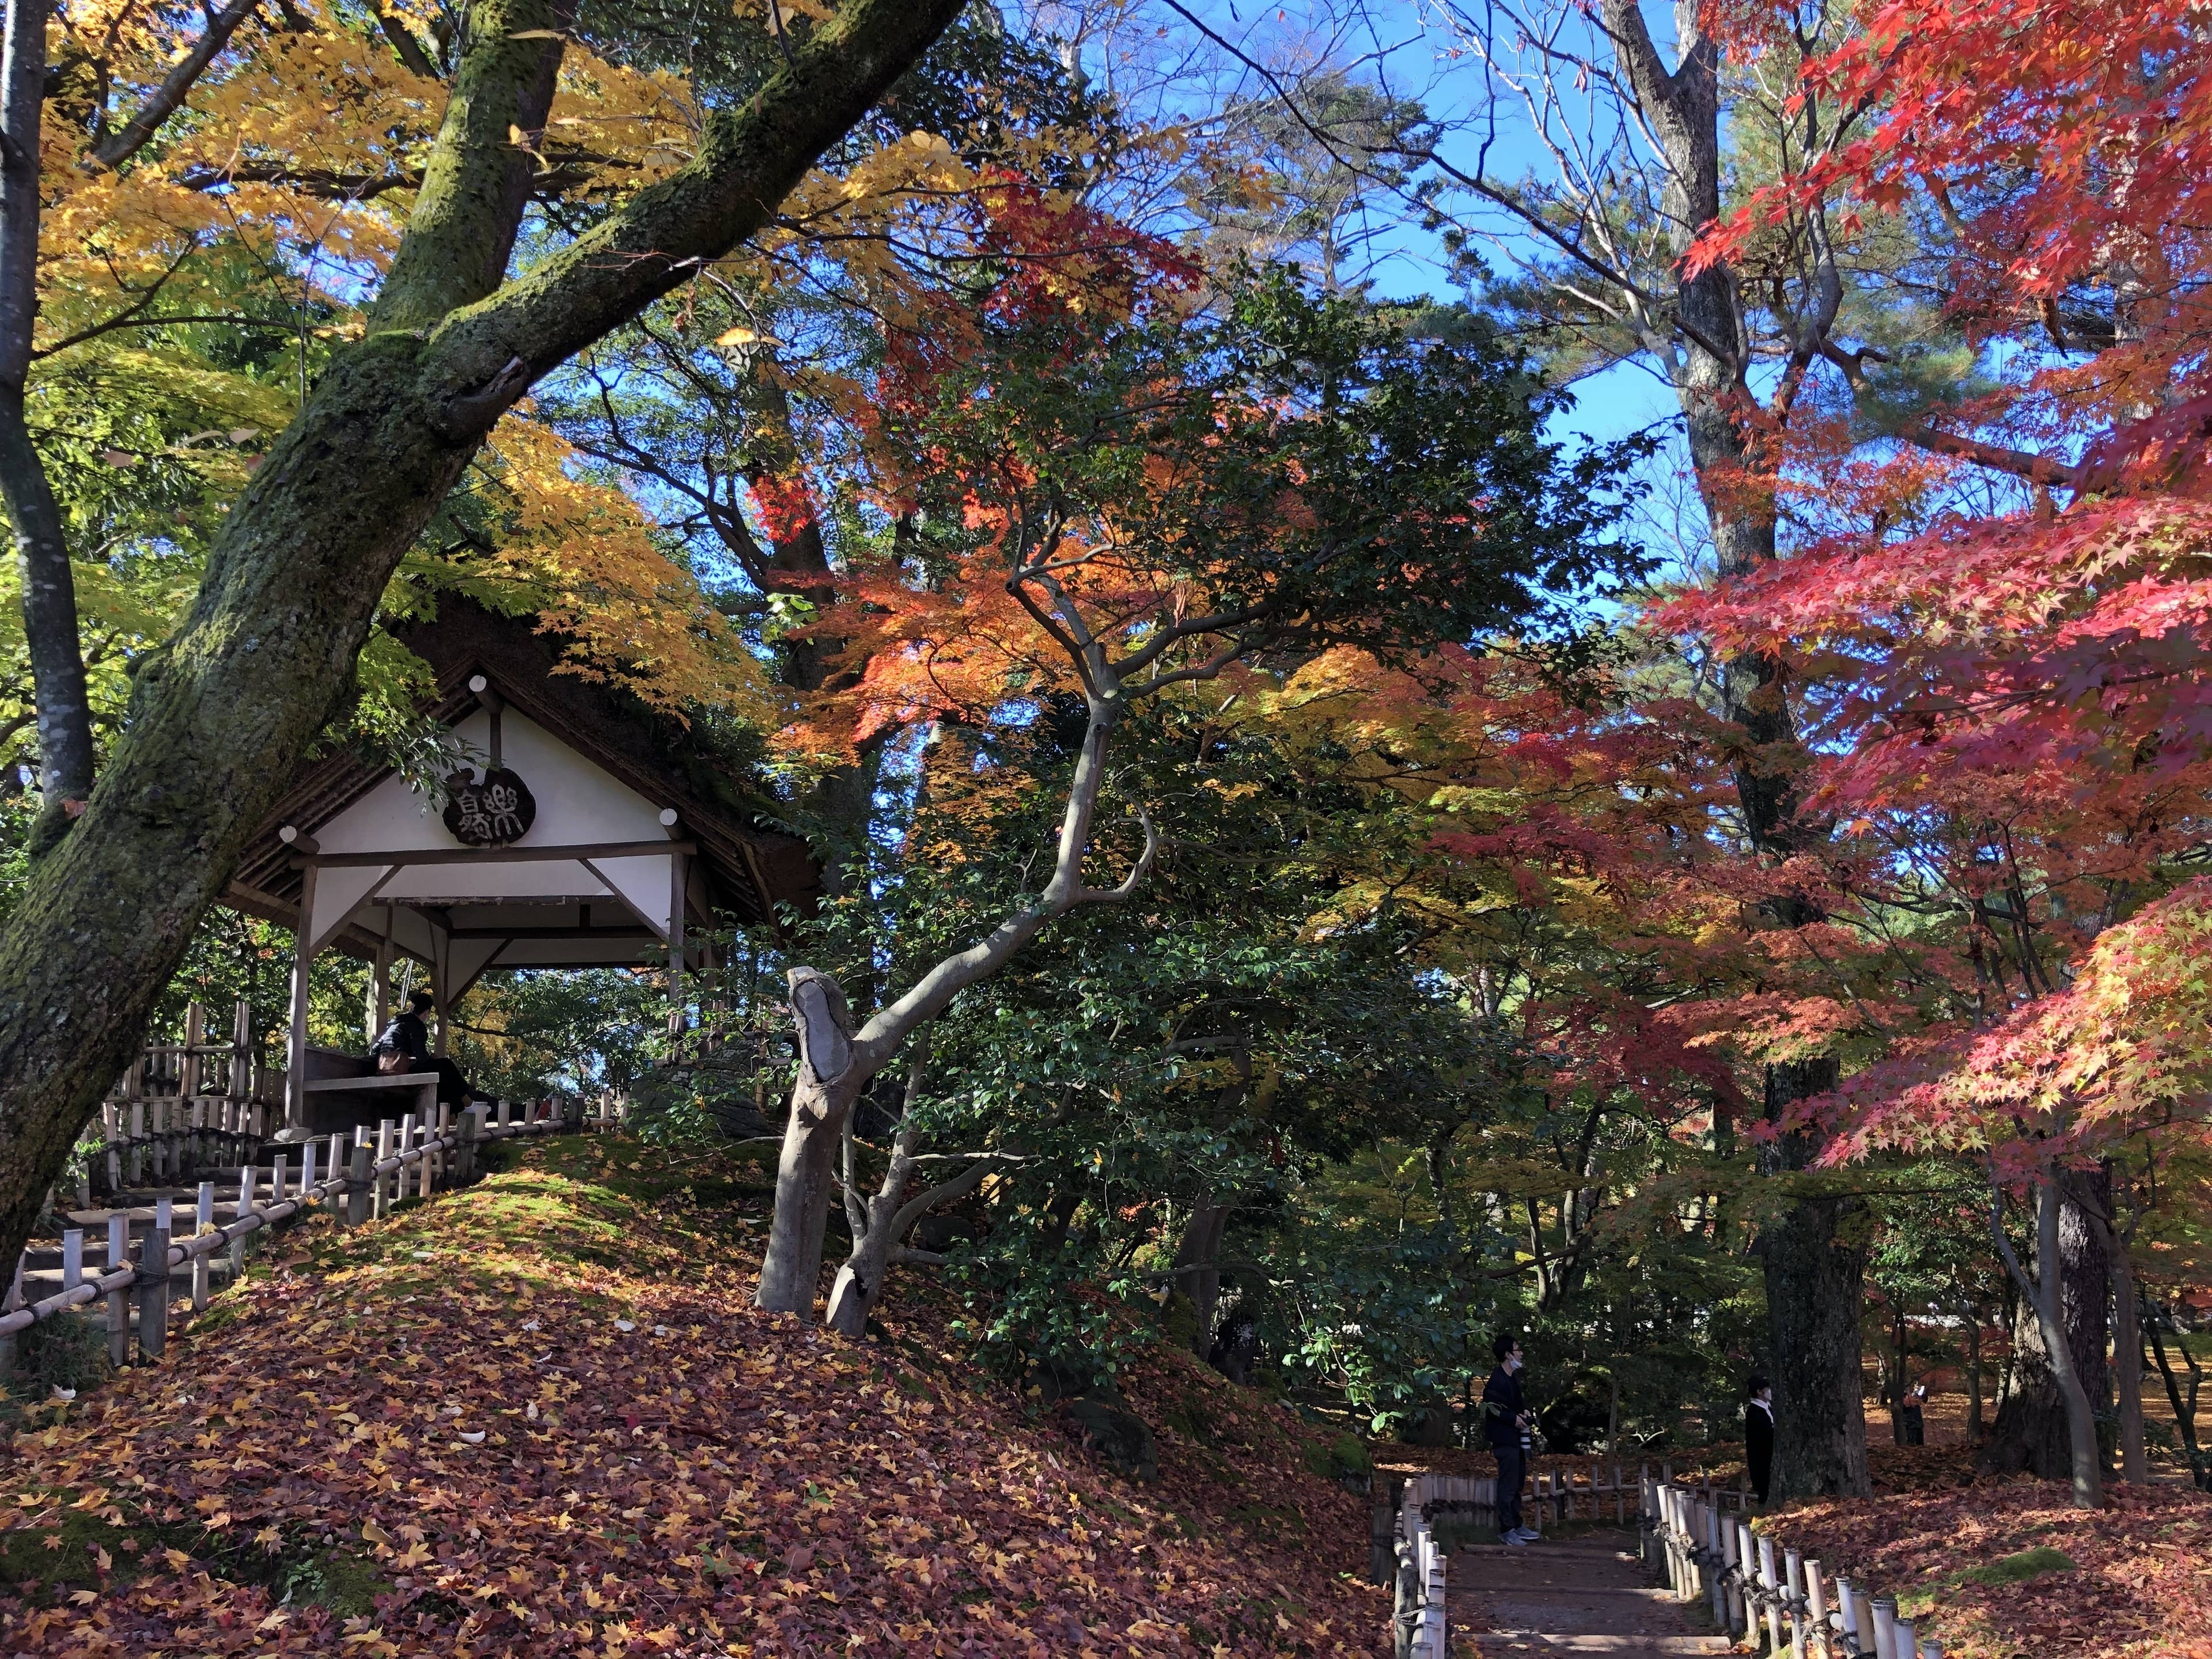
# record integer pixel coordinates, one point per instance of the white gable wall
(578, 804)
(576, 800)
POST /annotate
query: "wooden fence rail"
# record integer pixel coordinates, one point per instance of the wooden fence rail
(1563, 1493)
(1422, 1631)
(362, 1181)
(1709, 1555)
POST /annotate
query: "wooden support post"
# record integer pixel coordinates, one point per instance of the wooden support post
(465, 1151)
(357, 1197)
(277, 1171)
(307, 1168)
(678, 902)
(154, 1287)
(188, 1067)
(118, 1299)
(295, 1044)
(241, 1060)
(379, 982)
(203, 1219)
(72, 1258)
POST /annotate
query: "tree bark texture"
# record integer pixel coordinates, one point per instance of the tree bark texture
(2065, 1298)
(2127, 1371)
(49, 627)
(1707, 355)
(879, 1239)
(221, 714)
(1814, 1270)
(843, 1062)
(1197, 1270)
(2032, 1434)
(830, 1081)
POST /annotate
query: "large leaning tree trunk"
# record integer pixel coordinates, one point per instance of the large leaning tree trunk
(2033, 1433)
(836, 1063)
(2043, 1293)
(221, 714)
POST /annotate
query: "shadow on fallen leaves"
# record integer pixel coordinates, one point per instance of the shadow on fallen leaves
(541, 1417)
(2000, 1569)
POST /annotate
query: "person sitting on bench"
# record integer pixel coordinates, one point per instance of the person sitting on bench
(404, 1046)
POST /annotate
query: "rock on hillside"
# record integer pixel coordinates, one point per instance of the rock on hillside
(541, 1417)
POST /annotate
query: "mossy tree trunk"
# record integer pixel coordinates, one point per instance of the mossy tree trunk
(221, 714)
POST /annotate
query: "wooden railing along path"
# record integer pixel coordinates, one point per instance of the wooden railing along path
(1556, 1495)
(1710, 1556)
(354, 1182)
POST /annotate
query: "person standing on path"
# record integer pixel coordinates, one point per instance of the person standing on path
(1506, 1419)
(1759, 1435)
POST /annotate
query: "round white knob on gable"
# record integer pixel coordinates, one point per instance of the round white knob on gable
(477, 683)
(668, 817)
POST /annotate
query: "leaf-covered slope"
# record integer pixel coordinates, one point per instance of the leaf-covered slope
(540, 1417)
(2001, 1569)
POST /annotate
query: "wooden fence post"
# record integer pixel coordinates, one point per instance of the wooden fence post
(407, 1177)
(203, 1219)
(1381, 1558)
(357, 1197)
(154, 1285)
(118, 1299)
(8, 1303)
(464, 1160)
(248, 1176)
(383, 1150)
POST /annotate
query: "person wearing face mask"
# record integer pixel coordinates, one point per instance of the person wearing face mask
(1506, 1422)
(1758, 1434)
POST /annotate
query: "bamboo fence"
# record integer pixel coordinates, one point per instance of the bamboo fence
(1767, 1604)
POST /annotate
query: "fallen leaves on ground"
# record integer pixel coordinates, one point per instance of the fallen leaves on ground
(2140, 1586)
(567, 1431)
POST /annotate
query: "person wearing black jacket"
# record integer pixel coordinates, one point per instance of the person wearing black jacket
(408, 1038)
(1506, 1418)
(1759, 1435)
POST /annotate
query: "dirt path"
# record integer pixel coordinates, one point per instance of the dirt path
(1580, 1596)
